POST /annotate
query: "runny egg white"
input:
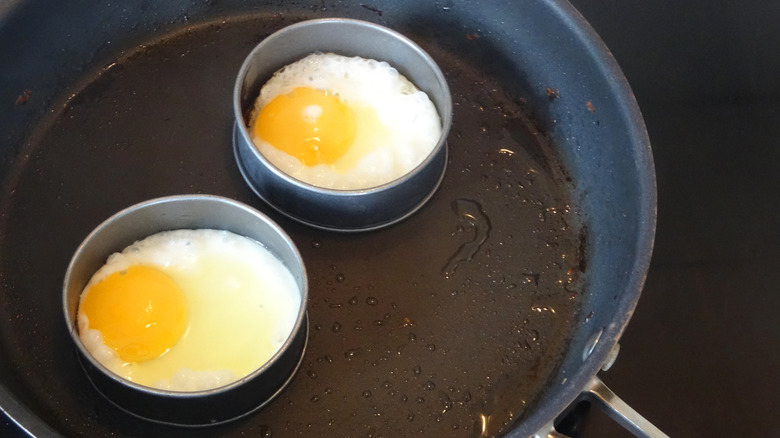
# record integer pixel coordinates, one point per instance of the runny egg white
(188, 310)
(343, 122)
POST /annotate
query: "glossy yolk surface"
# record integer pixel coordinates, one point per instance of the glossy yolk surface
(312, 125)
(140, 312)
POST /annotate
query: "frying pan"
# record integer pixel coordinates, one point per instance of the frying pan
(488, 312)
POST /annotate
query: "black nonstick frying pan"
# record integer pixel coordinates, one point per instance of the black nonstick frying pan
(488, 312)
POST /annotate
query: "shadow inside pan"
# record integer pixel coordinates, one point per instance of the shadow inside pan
(450, 323)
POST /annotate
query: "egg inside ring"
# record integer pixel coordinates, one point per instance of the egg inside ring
(237, 301)
(343, 122)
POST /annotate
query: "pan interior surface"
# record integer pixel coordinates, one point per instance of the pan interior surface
(451, 323)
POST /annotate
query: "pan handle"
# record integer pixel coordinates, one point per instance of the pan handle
(596, 392)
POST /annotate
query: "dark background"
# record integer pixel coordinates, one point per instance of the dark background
(701, 354)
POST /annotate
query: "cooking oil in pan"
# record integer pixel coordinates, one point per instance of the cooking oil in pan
(453, 321)
(471, 212)
(449, 323)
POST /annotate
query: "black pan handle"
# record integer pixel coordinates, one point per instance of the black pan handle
(597, 393)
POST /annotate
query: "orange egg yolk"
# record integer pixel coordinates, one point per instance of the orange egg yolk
(312, 125)
(140, 312)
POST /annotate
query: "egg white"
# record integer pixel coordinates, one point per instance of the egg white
(242, 304)
(411, 126)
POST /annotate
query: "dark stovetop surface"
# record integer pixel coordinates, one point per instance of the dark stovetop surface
(701, 354)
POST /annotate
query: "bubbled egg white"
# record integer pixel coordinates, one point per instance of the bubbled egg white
(396, 125)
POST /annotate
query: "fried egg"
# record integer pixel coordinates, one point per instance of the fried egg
(343, 122)
(188, 310)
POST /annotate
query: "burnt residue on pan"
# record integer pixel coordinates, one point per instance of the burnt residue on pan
(450, 323)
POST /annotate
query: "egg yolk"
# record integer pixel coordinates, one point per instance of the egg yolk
(312, 125)
(140, 312)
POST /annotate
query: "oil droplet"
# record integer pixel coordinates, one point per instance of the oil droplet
(429, 386)
(541, 309)
(386, 384)
(351, 354)
(328, 390)
(417, 370)
(352, 301)
(446, 403)
(371, 301)
(315, 244)
(315, 398)
(266, 432)
(472, 213)
(340, 278)
(431, 347)
(336, 327)
(420, 400)
(410, 417)
(366, 393)
(312, 374)
(531, 277)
